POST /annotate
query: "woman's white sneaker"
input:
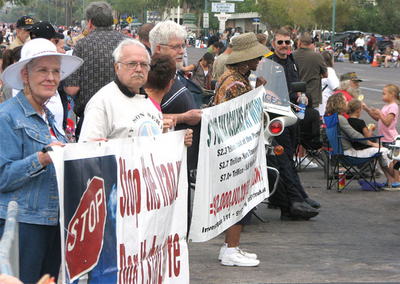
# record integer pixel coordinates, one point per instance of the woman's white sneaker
(247, 254)
(238, 258)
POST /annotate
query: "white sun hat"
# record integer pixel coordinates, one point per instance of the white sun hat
(36, 48)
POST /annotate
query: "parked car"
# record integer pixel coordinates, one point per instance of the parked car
(385, 42)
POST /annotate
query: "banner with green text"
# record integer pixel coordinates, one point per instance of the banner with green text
(231, 173)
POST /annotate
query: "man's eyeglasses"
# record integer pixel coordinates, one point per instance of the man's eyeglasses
(175, 47)
(133, 65)
(44, 72)
(280, 42)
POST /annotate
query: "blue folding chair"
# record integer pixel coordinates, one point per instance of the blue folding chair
(351, 166)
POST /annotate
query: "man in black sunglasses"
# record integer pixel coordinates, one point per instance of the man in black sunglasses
(290, 195)
(282, 47)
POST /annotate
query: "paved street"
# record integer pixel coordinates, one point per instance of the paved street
(355, 238)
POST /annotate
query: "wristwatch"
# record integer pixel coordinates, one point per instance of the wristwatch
(46, 149)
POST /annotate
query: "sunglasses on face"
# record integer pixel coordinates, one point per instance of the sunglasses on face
(280, 42)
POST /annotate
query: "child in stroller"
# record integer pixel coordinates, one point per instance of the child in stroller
(361, 56)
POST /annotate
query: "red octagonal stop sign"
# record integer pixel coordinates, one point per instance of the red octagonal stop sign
(86, 230)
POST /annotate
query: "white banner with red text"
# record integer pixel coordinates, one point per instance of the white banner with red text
(123, 207)
(231, 172)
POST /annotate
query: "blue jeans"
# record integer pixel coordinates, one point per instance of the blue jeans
(39, 251)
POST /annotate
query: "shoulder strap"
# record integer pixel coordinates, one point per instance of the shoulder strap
(219, 85)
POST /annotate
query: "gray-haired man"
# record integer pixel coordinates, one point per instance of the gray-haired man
(96, 50)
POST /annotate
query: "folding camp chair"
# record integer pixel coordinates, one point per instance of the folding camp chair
(351, 166)
(312, 149)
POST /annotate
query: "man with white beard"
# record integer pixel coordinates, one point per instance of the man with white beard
(349, 86)
(170, 38)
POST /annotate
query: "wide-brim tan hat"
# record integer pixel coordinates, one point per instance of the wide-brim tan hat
(36, 48)
(246, 47)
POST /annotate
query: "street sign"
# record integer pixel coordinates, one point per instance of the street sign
(205, 20)
(129, 20)
(115, 21)
(153, 16)
(223, 7)
(124, 16)
(189, 16)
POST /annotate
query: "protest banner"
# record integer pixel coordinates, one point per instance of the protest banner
(231, 172)
(123, 210)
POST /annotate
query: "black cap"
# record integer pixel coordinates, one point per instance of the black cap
(44, 30)
(25, 22)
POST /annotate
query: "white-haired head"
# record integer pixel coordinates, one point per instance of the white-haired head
(163, 32)
(117, 54)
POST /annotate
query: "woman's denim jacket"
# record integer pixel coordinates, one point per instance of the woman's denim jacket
(23, 133)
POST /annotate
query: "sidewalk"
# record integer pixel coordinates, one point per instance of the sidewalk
(354, 239)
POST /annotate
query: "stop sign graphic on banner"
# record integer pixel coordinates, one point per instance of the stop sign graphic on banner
(86, 230)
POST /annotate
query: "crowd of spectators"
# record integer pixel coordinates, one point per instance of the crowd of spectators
(144, 70)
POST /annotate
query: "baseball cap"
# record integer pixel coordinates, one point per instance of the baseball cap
(25, 22)
(45, 30)
(350, 76)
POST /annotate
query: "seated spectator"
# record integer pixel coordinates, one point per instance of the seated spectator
(340, 57)
(354, 108)
(202, 76)
(352, 53)
(381, 58)
(394, 55)
(337, 104)
(309, 131)
(310, 125)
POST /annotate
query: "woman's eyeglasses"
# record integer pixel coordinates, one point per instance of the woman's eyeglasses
(44, 72)
(280, 42)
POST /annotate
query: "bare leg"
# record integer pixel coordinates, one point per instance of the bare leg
(232, 235)
(389, 177)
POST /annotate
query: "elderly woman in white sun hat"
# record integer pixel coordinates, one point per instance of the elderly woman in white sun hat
(26, 171)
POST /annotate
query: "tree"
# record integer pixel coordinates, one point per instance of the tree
(296, 13)
(14, 2)
(344, 14)
(130, 7)
(198, 6)
(275, 13)
(246, 6)
(389, 14)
